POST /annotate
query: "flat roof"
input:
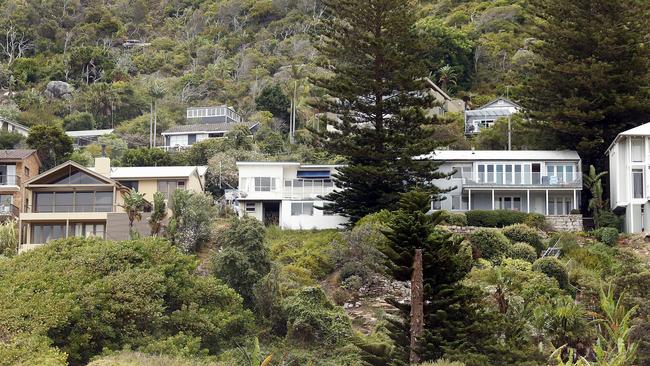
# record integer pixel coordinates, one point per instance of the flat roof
(88, 133)
(206, 127)
(290, 163)
(155, 171)
(473, 155)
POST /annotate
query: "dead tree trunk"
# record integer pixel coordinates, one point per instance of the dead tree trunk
(417, 306)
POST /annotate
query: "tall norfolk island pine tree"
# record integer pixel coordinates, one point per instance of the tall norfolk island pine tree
(373, 57)
(590, 80)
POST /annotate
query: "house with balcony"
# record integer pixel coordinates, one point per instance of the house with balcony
(545, 182)
(73, 200)
(16, 166)
(487, 115)
(286, 194)
(203, 123)
(629, 164)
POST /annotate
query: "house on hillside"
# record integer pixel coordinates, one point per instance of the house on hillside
(16, 167)
(546, 182)
(12, 126)
(86, 137)
(487, 115)
(203, 123)
(629, 162)
(444, 103)
(286, 194)
(72, 200)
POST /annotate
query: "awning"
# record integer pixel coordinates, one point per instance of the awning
(314, 174)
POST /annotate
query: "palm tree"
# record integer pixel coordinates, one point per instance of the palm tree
(156, 91)
(593, 182)
(134, 204)
(158, 214)
(447, 75)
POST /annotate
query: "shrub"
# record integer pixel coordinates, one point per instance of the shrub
(309, 249)
(89, 295)
(454, 218)
(536, 220)
(607, 235)
(524, 233)
(490, 244)
(443, 362)
(311, 318)
(8, 238)
(501, 218)
(553, 268)
(609, 219)
(523, 251)
(351, 269)
(243, 259)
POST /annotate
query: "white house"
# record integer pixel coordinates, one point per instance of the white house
(203, 123)
(487, 115)
(546, 182)
(286, 194)
(628, 172)
(11, 126)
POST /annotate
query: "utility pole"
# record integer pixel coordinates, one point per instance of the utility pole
(292, 127)
(509, 121)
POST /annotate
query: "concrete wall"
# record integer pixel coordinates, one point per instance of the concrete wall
(304, 222)
(565, 222)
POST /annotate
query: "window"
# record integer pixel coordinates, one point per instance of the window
(637, 150)
(507, 203)
(92, 230)
(458, 172)
(490, 174)
(167, 187)
(250, 207)
(637, 179)
(436, 205)
(499, 174)
(26, 172)
(43, 233)
(459, 203)
(302, 208)
(191, 139)
(481, 173)
(131, 184)
(103, 201)
(559, 205)
(44, 201)
(265, 184)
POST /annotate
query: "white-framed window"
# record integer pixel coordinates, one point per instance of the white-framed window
(560, 205)
(638, 150)
(507, 203)
(560, 173)
(436, 205)
(638, 183)
(264, 184)
(459, 203)
(302, 208)
(250, 207)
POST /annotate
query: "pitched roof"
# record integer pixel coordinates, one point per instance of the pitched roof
(156, 172)
(474, 155)
(641, 130)
(71, 163)
(15, 154)
(207, 127)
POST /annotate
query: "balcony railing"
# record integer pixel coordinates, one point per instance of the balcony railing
(54, 208)
(9, 180)
(523, 179)
(9, 210)
(306, 188)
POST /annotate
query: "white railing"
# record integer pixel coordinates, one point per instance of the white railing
(306, 188)
(523, 179)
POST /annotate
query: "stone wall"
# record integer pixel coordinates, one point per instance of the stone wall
(565, 223)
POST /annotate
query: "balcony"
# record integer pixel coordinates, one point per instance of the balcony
(9, 180)
(524, 180)
(59, 208)
(8, 210)
(296, 189)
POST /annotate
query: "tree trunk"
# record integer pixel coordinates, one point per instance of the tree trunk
(417, 306)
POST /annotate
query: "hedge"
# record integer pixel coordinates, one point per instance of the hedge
(501, 218)
(454, 218)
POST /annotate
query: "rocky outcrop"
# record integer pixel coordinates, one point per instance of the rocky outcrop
(59, 90)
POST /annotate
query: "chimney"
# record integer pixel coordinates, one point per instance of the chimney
(103, 166)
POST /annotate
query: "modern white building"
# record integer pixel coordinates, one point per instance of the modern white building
(286, 194)
(203, 123)
(546, 182)
(628, 177)
(487, 115)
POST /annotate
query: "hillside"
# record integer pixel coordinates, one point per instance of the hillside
(198, 52)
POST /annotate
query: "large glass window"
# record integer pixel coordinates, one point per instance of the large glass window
(459, 203)
(103, 201)
(167, 187)
(78, 177)
(637, 150)
(63, 202)
(265, 184)
(302, 208)
(481, 173)
(490, 173)
(44, 201)
(499, 174)
(73, 202)
(43, 233)
(637, 179)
